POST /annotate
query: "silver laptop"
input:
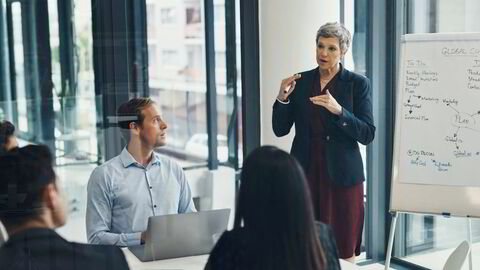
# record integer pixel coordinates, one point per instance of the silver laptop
(180, 235)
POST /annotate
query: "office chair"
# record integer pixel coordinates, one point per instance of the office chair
(456, 260)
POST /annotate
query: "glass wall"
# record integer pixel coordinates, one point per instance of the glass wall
(19, 81)
(428, 240)
(177, 76)
(72, 93)
(73, 86)
(175, 42)
(355, 12)
(355, 59)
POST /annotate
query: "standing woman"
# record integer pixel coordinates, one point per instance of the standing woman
(331, 108)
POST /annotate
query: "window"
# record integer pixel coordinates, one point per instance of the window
(194, 29)
(152, 24)
(54, 44)
(62, 115)
(167, 15)
(355, 60)
(179, 92)
(169, 57)
(19, 68)
(152, 54)
(193, 14)
(177, 81)
(220, 60)
(355, 12)
(219, 14)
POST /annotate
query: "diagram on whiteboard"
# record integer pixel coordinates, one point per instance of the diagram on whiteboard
(463, 122)
(440, 114)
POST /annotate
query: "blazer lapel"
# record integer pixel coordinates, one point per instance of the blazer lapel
(341, 82)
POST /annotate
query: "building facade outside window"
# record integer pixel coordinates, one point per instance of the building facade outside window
(177, 78)
(167, 15)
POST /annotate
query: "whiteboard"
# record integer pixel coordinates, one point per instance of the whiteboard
(436, 162)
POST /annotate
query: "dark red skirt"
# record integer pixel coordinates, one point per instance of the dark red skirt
(340, 207)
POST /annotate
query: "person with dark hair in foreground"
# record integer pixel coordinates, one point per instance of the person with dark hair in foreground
(8, 140)
(31, 206)
(274, 226)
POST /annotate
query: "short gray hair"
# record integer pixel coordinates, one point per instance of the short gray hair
(335, 30)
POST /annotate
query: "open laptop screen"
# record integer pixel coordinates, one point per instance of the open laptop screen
(180, 235)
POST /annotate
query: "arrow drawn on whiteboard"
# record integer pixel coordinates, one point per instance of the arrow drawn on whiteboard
(442, 166)
(475, 114)
(456, 132)
(448, 104)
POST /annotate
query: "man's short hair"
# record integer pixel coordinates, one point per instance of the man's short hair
(7, 130)
(131, 111)
(24, 174)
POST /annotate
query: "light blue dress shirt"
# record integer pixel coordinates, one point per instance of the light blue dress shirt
(123, 194)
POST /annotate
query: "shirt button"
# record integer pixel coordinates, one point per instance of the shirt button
(328, 137)
(155, 206)
(150, 187)
(344, 124)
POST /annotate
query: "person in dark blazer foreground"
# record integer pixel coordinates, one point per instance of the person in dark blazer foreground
(331, 108)
(31, 206)
(274, 228)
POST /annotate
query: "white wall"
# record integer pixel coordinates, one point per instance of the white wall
(287, 46)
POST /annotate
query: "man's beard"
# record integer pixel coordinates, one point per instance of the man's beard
(159, 141)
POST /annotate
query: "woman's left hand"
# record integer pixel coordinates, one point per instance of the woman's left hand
(328, 102)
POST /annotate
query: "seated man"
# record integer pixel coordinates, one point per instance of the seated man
(7, 137)
(31, 206)
(125, 191)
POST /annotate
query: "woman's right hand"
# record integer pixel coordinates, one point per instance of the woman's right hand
(287, 86)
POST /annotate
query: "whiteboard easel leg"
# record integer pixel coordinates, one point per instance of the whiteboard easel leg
(469, 224)
(390, 240)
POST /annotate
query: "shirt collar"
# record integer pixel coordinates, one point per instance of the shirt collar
(127, 158)
(342, 74)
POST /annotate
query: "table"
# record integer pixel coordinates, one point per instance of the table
(188, 263)
(184, 263)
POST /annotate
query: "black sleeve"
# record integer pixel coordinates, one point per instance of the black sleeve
(282, 118)
(359, 123)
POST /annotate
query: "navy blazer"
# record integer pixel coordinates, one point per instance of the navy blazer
(355, 124)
